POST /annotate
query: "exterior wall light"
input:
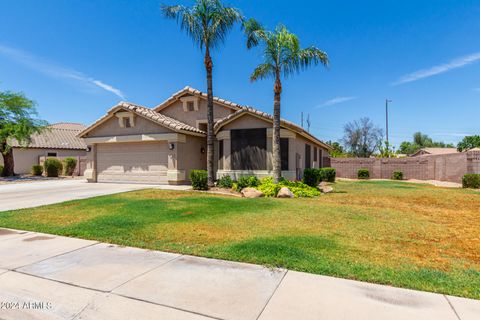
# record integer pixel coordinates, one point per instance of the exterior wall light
(171, 146)
(202, 150)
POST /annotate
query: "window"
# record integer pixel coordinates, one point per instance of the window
(308, 155)
(284, 153)
(51, 154)
(249, 149)
(315, 154)
(190, 106)
(220, 154)
(126, 122)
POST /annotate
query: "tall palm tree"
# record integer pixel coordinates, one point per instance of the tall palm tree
(282, 57)
(207, 22)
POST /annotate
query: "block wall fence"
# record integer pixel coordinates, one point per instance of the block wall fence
(448, 167)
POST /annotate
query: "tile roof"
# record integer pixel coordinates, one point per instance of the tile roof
(435, 151)
(148, 113)
(56, 136)
(193, 91)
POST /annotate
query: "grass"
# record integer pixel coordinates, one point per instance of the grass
(407, 235)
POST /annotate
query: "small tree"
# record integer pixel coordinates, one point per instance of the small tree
(17, 123)
(362, 137)
(469, 142)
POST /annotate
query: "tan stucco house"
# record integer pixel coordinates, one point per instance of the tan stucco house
(132, 143)
(58, 140)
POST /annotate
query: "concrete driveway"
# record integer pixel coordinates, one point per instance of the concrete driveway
(33, 194)
(51, 277)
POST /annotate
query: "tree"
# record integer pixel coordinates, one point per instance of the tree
(469, 142)
(337, 149)
(17, 123)
(207, 22)
(283, 57)
(362, 137)
(420, 141)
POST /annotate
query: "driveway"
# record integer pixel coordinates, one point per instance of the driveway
(51, 277)
(33, 194)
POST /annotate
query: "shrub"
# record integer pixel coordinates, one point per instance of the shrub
(269, 188)
(52, 167)
(225, 182)
(1, 171)
(299, 189)
(247, 181)
(199, 179)
(397, 175)
(363, 174)
(311, 177)
(328, 174)
(37, 170)
(69, 165)
(471, 180)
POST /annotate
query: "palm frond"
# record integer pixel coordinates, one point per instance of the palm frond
(263, 71)
(254, 32)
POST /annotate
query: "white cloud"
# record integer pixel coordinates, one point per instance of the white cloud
(425, 73)
(55, 71)
(334, 101)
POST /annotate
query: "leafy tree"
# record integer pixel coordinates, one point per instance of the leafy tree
(362, 137)
(469, 142)
(283, 57)
(207, 22)
(337, 149)
(17, 123)
(386, 150)
(420, 141)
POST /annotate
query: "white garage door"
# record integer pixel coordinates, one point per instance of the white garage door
(144, 162)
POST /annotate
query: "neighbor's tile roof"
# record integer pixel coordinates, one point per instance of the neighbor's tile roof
(193, 91)
(56, 136)
(434, 151)
(148, 113)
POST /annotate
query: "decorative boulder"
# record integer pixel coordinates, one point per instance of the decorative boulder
(284, 192)
(326, 189)
(322, 184)
(251, 193)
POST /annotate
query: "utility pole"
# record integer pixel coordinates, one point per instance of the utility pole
(386, 116)
(302, 118)
(308, 122)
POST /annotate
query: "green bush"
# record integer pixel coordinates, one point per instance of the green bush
(199, 179)
(311, 177)
(268, 187)
(299, 189)
(471, 180)
(397, 175)
(52, 167)
(247, 181)
(1, 171)
(328, 174)
(225, 182)
(37, 170)
(69, 165)
(363, 174)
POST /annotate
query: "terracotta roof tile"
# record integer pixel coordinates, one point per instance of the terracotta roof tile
(56, 136)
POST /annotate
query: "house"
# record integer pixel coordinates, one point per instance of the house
(434, 151)
(132, 143)
(57, 140)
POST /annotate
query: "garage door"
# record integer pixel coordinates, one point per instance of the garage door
(145, 162)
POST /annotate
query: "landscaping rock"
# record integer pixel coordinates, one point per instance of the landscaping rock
(322, 184)
(326, 189)
(251, 193)
(284, 192)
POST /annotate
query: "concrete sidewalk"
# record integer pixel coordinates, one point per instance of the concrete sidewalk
(36, 193)
(51, 277)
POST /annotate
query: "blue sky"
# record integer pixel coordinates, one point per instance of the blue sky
(76, 59)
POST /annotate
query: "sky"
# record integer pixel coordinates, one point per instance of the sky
(77, 59)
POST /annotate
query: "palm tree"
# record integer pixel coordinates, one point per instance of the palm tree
(207, 23)
(282, 57)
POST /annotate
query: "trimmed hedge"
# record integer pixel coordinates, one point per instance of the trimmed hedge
(328, 174)
(471, 180)
(311, 177)
(363, 174)
(52, 167)
(247, 182)
(225, 182)
(1, 171)
(37, 170)
(397, 175)
(69, 165)
(199, 179)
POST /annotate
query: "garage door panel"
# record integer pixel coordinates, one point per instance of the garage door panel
(132, 162)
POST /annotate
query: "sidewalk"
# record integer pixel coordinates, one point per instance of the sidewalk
(50, 277)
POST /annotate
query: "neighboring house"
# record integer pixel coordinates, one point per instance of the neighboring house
(162, 145)
(57, 140)
(433, 151)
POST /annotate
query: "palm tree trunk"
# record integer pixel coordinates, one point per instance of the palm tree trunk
(209, 67)
(276, 155)
(8, 165)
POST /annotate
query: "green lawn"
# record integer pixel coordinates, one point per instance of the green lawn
(406, 235)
